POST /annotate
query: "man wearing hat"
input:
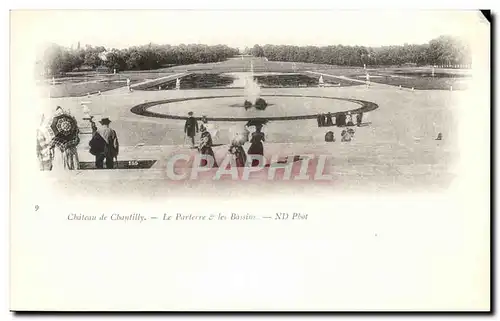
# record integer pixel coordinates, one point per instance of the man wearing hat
(104, 145)
(191, 127)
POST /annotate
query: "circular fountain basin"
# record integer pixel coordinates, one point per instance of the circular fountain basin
(230, 108)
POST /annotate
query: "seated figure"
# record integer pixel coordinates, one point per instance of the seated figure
(329, 136)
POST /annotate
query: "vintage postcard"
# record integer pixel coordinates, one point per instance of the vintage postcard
(250, 160)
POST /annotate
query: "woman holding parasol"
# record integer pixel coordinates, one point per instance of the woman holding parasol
(64, 133)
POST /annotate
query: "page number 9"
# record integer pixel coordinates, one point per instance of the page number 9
(37, 207)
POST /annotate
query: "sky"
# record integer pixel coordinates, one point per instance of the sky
(125, 28)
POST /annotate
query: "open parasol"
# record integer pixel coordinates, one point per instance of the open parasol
(63, 130)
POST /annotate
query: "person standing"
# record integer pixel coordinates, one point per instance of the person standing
(191, 127)
(321, 82)
(236, 149)
(128, 84)
(256, 147)
(43, 148)
(63, 148)
(359, 119)
(104, 145)
(318, 118)
(329, 121)
(340, 120)
(211, 128)
(349, 121)
(323, 120)
(205, 147)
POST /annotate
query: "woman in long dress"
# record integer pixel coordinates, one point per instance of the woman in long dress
(43, 146)
(205, 147)
(349, 121)
(239, 136)
(240, 157)
(64, 151)
(65, 155)
(211, 128)
(256, 148)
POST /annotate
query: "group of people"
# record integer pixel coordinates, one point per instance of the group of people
(325, 120)
(59, 136)
(342, 119)
(346, 135)
(206, 144)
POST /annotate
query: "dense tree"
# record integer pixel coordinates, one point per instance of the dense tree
(92, 58)
(257, 51)
(57, 59)
(449, 50)
(444, 50)
(115, 60)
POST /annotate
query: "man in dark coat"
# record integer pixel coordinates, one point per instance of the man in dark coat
(191, 127)
(340, 120)
(104, 145)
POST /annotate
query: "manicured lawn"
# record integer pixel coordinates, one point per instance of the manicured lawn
(211, 79)
(416, 81)
(80, 84)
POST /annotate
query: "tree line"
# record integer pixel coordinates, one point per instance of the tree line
(57, 59)
(445, 50)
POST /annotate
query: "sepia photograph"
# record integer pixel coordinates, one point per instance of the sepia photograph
(360, 116)
(352, 112)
